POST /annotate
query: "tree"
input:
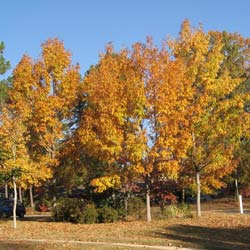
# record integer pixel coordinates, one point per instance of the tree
(109, 133)
(167, 93)
(45, 92)
(236, 52)
(216, 112)
(134, 116)
(4, 66)
(13, 141)
(3, 92)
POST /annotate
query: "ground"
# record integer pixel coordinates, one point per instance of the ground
(220, 227)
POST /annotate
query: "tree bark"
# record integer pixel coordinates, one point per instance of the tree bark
(54, 192)
(20, 194)
(126, 198)
(183, 195)
(236, 188)
(6, 190)
(31, 197)
(148, 208)
(198, 200)
(15, 202)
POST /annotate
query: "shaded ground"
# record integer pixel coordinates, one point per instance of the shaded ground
(76, 245)
(210, 238)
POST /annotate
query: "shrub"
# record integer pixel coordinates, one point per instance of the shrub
(109, 198)
(186, 210)
(43, 205)
(174, 211)
(136, 207)
(69, 210)
(167, 199)
(89, 214)
(78, 211)
(107, 214)
(121, 214)
(245, 191)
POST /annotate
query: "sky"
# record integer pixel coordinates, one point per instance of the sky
(85, 26)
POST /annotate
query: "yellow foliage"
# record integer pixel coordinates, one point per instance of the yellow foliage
(42, 97)
(103, 183)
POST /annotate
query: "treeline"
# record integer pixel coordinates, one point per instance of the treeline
(174, 114)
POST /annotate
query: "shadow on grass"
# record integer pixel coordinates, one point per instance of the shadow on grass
(37, 218)
(16, 246)
(209, 238)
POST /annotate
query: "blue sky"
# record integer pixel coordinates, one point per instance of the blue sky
(86, 26)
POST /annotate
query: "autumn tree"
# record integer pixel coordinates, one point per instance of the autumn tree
(236, 52)
(45, 92)
(134, 119)
(13, 138)
(215, 110)
(109, 133)
(167, 92)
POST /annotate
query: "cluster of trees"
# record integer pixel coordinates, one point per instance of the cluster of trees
(176, 113)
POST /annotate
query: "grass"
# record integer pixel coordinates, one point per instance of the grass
(65, 246)
(229, 203)
(212, 231)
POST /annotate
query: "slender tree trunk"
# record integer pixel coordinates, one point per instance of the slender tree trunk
(6, 190)
(20, 194)
(126, 205)
(15, 202)
(198, 202)
(183, 195)
(31, 197)
(52, 153)
(198, 184)
(13, 148)
(236, 188)
(54, 192)
(148, 206)
(148, 200)
(126, 198)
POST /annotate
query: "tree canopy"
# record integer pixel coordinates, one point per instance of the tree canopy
(178, 112)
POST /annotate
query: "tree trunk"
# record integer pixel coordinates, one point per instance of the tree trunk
(53, 156)
(31, 197)
(183, 195)
(236, 188)
(20, 194)
(148, 200)
(126, 198)
(54, 192)
(15, 202)
(6, 190)
(198, 202)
